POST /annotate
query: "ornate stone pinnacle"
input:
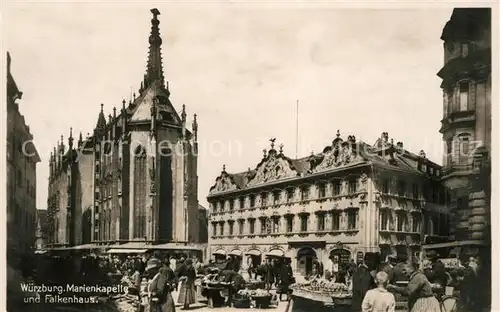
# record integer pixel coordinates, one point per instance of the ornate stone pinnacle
(272, 140)
(265, 152)
(338, 133)
(224, 168)
(281, 148)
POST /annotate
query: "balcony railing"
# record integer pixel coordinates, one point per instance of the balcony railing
(457, 168)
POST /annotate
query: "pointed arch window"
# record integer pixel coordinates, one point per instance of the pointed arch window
(140, 192)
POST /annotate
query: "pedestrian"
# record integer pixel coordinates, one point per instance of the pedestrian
(160, 292)
(379, 299)
(362, 281)
(187, 291)
(419, 290)
(437, 273)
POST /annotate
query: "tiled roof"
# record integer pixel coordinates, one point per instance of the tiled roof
(339, 156)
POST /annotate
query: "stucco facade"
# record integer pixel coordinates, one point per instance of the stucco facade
(351, 199)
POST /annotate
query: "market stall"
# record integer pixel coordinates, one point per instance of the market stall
(319, 295)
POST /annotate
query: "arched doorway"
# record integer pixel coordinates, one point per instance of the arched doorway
(305, 260)
(87, 226)
(254, 257)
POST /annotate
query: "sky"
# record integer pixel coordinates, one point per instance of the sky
(240, 67)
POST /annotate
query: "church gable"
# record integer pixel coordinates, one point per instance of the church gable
(274, 166)
(164, 109)
(223, 183)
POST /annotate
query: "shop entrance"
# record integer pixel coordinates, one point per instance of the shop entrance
(305, 260)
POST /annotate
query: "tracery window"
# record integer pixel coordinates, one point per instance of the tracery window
(140, 192)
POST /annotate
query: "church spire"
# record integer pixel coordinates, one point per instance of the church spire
(154, 67)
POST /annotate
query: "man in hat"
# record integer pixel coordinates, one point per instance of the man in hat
(398, 274)
(437, 273)
(388, 267)
(362, 281)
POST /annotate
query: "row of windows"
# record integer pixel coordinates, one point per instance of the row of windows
(276, 197)
(273, 224)
(400, 223)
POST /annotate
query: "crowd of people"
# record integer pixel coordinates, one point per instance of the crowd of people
(423, 284)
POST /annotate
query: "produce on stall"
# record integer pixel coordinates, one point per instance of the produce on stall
(322, 290)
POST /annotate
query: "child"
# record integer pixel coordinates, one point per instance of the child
(379, 299)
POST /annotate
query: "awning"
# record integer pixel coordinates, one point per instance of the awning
(455, 244)
(173, 246)
(85, 247)
(275, 253)
(235, 252)
(219, 252)
(253, 252)
(126, 251)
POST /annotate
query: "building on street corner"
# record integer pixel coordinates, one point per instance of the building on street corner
(466, 124)
(22, 159)
(351, 199)
(134, 178)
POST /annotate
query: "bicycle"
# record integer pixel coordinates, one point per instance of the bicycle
(449, 303)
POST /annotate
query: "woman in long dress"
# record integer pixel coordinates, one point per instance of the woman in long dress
(419, 291)
(160, 291)
(187, 291)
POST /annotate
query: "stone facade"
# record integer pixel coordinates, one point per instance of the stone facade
(22, 158)
(351, 199)
(466, 124)
(203, 224)
(135, 177)
(41, 229)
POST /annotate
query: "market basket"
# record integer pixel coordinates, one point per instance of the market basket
(262, 302)
(241, 302)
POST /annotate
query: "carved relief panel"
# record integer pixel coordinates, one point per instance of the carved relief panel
(272, 169)
(223, 183)
(338, 157)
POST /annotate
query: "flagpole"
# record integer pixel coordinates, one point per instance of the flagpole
(297, 132)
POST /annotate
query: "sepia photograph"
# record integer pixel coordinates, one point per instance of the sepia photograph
(289, 156)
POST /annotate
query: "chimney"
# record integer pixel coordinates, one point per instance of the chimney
(422, 154)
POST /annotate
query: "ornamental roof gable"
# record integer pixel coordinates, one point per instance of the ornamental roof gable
(224, 183)
(273, 166)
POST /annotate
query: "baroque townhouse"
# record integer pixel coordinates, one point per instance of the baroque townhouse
(134, 179)
(351, 199)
